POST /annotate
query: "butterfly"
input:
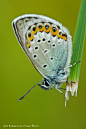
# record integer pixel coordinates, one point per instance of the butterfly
(48, 45)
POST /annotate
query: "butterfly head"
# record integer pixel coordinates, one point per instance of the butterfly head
(45, 84)
(48, 84)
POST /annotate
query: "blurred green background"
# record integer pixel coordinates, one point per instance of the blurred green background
(17, 75)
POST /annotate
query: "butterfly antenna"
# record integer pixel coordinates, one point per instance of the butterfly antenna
(29, 91)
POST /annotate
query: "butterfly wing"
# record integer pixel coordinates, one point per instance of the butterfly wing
(46, 43)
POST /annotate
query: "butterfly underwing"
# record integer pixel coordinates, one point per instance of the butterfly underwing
(47, 44)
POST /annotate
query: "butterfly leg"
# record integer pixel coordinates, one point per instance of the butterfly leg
(66, 81)
(63, 88)
(72, 64)
(60, 91)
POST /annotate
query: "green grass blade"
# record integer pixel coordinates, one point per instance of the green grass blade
(78, 44)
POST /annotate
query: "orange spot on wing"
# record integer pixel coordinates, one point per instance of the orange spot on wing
(31, 38)
(64, 37)
(59, 35)
(40, 29)
(54, 33)
(28, 44)
(47, 30)
(34, 32)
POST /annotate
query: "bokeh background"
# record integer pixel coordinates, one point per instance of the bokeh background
(17, 75)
